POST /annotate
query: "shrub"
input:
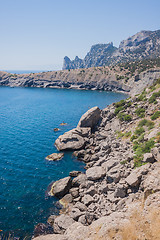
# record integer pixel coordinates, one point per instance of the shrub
(154, 96)
(139, 131)
(142, 123)
(120, 103)
(124, 117)
(147, 123)
(118, 109)
(140, 112)
(155, 115)
(133, 137)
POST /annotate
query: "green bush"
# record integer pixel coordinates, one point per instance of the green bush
(155, 115)
(120, 103)
(124, 117)
(147, 123)
(133, 137)
(118, 109)
(139, 131)
(140, 112)
(154, 96)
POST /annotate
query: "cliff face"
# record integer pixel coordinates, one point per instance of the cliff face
(143, 45)
(131, 78)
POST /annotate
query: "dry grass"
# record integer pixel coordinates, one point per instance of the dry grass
(139, 228)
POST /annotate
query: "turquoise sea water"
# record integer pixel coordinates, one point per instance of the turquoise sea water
(27, 119)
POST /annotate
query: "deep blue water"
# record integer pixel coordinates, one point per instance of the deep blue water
(27, 119)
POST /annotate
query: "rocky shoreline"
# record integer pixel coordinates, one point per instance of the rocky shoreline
(121, 148)
(113, 78)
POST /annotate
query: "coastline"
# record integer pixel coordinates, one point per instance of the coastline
(99, 78)
(114, 184)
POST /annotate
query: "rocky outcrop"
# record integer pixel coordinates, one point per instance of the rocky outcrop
(90, 118)
(76, 139)
(121, 185)
(143, 45)
(73, 140)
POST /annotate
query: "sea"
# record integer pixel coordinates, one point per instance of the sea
(28, 117)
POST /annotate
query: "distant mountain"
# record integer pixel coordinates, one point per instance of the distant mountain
(143, 45)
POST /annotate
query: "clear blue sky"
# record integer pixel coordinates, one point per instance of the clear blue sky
(37, 34)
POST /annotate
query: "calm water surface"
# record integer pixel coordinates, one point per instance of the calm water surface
(27, 119)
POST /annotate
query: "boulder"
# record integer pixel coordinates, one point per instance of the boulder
(42, 229)
(61, 223)
(79, 180)
(74, 173)
(133, 180)
(95, 173)
(151, 183)
(87, 199)
(90, 118)
(66, 200)
(74, 192)
(73, 139)
(148, 157)
(75, 213)
(55, 156)
(60, 187)
(156, 153)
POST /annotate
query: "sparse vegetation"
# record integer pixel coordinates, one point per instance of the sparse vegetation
(155, 115)
(147, 123)
(153, 98)
(124, 117)
(140, 112)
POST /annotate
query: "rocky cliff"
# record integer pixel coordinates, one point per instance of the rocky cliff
(118, 197)
(131, 77)
(143, 45)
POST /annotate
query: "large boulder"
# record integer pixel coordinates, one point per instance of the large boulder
(73, 139)
(95, 173)
(60, 187)
(61, 223)
(90, 118)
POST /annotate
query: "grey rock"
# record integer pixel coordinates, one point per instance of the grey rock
(133, 180)
(60, 187)
(75, 213)
(120, 192)
(148, 157)
(55, 156)
(72, 140)
(79, 180)
(95, 173)
(74, 173)
(80, 206)
(90, 118)
(61, 223)
(74, 192)
(87, 199)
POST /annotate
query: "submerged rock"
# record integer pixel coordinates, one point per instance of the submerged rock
(55, 156)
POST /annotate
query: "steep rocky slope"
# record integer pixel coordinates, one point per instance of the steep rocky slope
(118, 197)
(143, 45)
(129, 77)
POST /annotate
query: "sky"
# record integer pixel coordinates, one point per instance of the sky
(37, 34)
